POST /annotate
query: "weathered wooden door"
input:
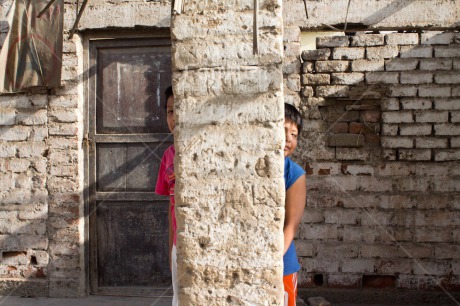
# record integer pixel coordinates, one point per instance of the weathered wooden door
(127, 135)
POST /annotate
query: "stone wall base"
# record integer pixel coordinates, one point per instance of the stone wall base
(25, 288)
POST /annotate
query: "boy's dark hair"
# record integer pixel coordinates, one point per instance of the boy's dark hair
(168, 93)
(292, 114)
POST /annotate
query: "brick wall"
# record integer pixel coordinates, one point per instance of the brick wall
(41, 191)
(381, 150)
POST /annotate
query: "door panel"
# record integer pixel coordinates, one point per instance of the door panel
(130, 92)
(129, 253)
(127, 132)
(129, 166)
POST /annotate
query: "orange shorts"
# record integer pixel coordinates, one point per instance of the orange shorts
(290, 289)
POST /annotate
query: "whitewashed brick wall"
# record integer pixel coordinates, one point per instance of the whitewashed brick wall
(381, 151)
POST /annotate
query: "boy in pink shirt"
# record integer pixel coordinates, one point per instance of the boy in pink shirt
(165, 186)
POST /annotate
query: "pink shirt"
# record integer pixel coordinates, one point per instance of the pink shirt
(166, 181)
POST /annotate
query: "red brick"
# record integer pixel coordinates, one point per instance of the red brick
(370, 116)
(339, 127)
(337, 114)
(372, 140)
(358, 128)
(346, 140)
(379, 281)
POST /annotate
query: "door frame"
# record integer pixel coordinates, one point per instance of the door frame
(89, 139)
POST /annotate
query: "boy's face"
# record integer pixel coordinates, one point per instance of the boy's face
(290, 129)
(170, 113)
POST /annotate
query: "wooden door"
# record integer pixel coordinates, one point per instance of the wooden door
(127, 135)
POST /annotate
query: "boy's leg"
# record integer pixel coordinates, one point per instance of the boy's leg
(290, 289)
(175, 301)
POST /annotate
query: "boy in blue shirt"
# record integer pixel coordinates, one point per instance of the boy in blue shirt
(296, 191)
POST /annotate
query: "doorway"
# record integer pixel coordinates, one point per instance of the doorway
(127, 135)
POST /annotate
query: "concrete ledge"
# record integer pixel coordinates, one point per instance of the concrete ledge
(384, 297)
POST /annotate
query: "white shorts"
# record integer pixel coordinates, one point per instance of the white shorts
(175, 284)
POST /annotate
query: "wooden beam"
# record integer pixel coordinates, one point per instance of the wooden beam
(255, 32)
(77, 20)
(346, 16)
(306, 9)
(178, 6)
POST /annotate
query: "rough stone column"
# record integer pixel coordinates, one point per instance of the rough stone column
(229, 146)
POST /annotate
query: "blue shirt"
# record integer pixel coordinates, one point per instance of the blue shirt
(292, 172)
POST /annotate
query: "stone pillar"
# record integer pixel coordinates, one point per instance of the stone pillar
(229, 152)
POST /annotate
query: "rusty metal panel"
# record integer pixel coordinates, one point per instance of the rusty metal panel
(132, 243)
(131, 82)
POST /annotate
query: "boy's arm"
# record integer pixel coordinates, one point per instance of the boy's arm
(295, 204)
